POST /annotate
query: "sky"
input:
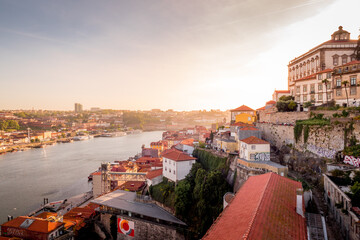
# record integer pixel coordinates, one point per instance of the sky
(163, 54)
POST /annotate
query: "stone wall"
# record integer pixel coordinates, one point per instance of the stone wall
(277, 135)
(282, 117)
(323, 141)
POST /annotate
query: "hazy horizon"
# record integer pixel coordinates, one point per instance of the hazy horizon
(142, 55)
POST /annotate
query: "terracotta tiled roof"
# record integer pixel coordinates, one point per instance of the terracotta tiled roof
(325, 71)
(132, 186)
(249, 128)
(263, 208)
(177, 155)
(351, 63)
(282, 91)
(38, 224)
(154, 173)
(242, 108)
(189, 142)
(262, 108)
(254, 140)
(270, 102)
(312, 76)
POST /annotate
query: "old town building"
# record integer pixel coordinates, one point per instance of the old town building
(303, 71)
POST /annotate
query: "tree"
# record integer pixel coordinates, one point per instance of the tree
(345, 83)
(183, 198)
(326, 82)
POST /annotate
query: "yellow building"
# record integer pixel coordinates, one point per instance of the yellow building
(243, 114)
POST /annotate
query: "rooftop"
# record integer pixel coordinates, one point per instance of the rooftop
(33, 224)
(154, 173)
(242, 108)
(176, 155)
(254, 140)
(124, 200)
(263, 208)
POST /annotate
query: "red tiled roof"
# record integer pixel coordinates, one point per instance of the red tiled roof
(188, 141)
(96, 173)
(262, 108)
(270, 102)
(312, 76)
(351, 63)
(249, 128)
(282, 91)
(45, 215)
(177, 155)
(263, 208)
(254, 140)
(154, 173)
(38, 225)
(325, 71)
(132, 186)
(242, 108)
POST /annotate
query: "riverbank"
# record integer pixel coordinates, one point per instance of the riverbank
(60, 171)
(27, 146)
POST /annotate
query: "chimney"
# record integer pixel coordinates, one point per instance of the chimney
(299, 202)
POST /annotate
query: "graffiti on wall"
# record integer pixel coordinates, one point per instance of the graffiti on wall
(352, 161)
(264, 156)
(322, 152)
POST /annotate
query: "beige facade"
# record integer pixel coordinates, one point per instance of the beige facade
(348, 95)
(316, 88)
(254, 152)
(337, 51)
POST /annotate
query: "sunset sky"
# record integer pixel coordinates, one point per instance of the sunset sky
(139, 55)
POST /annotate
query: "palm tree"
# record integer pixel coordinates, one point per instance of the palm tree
(345, 83)
(325, 81)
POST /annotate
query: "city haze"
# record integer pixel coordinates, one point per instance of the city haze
(160, 54)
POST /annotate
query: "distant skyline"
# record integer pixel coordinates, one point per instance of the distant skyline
(142, 55)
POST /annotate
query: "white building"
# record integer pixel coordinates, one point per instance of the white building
(254, 149)
(303, 71)
(176, 164)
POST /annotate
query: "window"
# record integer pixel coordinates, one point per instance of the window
(297, 98)
(252, 156)
(304, 88)
(344, 59)
(328, 75)
(328, 86)
(165, 160)
(319, 76)
(297, 89)
(338, 82)
(253, 147)
(320, 86)
(174, 171)
(165, 168)
(174, 163)
(312, 88)
(329, 95)
(305, 98)
(170, 170)
(353, 91)
(338, 92)
(335, 60)
(320, 97)
(353, 80)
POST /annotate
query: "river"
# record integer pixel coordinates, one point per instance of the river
(60, 171)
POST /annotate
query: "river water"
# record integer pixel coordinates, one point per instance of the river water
(60, 171)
